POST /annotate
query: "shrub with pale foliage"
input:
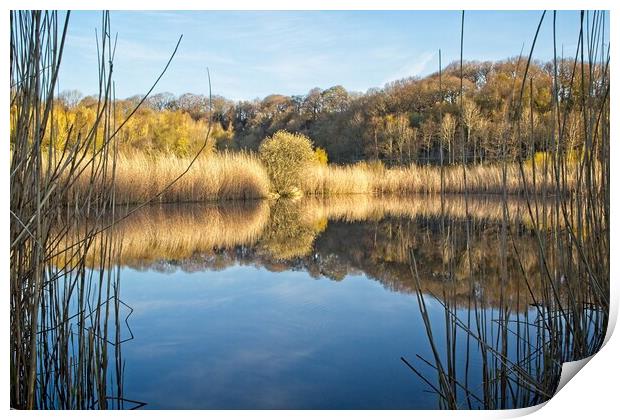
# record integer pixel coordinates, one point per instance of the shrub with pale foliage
(286, 157)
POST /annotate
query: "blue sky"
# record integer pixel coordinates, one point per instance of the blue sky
(256, 53)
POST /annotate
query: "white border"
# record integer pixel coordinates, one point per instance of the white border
(592, 394)
(310, 5)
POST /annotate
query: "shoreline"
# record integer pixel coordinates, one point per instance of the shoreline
(242, 176)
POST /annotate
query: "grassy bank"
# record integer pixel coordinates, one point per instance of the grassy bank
(226, 176)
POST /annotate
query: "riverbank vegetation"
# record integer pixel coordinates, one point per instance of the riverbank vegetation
(403, 138)
(247, 176)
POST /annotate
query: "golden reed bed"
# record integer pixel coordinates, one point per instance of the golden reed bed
(241, 175)
(372, 179)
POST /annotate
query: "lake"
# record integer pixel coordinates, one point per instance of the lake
(345, 303)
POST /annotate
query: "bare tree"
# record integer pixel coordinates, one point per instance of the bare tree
(448, 125)
(471, 119)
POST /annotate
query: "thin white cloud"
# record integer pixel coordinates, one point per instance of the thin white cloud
(413, 67)
(298, 72)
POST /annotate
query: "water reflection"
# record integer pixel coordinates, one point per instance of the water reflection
(355, 302)
(339, 237)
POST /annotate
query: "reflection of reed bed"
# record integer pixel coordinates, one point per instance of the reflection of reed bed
(176, 232)
(284, 228)
(373, 238)
(287, 229)
(352, 208)
(180, 231)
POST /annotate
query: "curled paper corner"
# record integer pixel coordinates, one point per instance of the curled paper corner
(569, 370)
(613, 315)
(519, 412)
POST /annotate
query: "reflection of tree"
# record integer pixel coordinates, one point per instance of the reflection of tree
(363, 235)
(379, 250)
(286, 236)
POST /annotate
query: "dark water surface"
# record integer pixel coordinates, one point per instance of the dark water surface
(313, 304)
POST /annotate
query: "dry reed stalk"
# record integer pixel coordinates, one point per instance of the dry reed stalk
(65, 318)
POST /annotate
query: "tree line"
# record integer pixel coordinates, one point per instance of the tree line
(423, 120)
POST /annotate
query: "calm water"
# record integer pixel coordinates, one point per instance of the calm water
(313, 304)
